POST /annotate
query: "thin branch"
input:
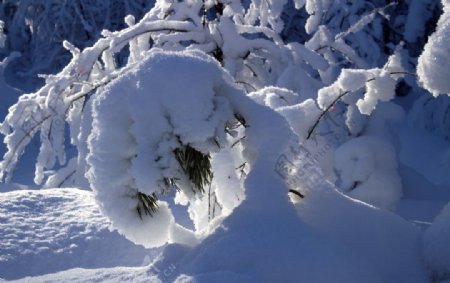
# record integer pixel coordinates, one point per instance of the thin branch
(316, 123)
(66, 178)
(311, 130)
(18, 144)
(238, 141)
(297, 193)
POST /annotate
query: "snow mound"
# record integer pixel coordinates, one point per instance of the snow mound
(301, 114)
(80, 275)
(50, 230)
(386, 242)
(275, 97)
(367, 168)
(248, 248)
(436, 246)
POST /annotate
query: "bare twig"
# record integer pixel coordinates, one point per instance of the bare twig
(316, 123)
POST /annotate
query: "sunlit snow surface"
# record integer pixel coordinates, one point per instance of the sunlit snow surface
(56, 229)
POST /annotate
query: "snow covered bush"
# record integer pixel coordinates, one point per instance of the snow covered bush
(158, 143)
(335, 28)
(431, 113)
(434, 63)
(37, 30)
(245, 40)
(379, 85)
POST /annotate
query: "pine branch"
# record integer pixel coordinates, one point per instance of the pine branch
(147, 204)
(196, 166)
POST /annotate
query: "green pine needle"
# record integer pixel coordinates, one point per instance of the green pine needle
(196, 166)
(147, 204)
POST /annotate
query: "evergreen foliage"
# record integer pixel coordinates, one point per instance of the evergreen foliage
(197, 167)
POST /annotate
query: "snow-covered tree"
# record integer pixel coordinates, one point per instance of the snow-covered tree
(37, 30)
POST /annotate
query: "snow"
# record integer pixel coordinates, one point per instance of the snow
(247, 248)
(329, 162)
(45, 231)
(436, 248)
(386, 242)
(352, 80)
(301, 113)
(434, 63)
(367, 168)
(381, 88)
(3, 37)
(379, 85)
(229, 188)
(419, 158)
(416, 19)
(8, 96)
(430, 114)
(80, 275)
(247, 256)
(143, 100)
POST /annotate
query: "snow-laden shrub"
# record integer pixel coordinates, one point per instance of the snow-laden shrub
(140, 120)
(335, 28)
(367, 170)
(244, 39)
(37, 29)
(347, 106)
(378, 85)
(253, 54)
(245, 42)
(434, 63)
